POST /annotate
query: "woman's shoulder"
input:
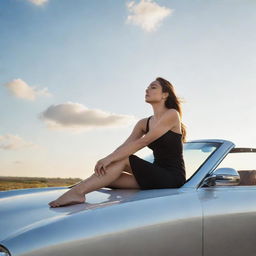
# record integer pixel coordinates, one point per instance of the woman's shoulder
(172, 113)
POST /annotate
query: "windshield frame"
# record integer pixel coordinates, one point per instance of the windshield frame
(216, 144)
(209, 165)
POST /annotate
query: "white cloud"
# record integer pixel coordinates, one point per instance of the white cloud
(38, 2)
(21, 89)
(147, 14)
(77, 117)
(13, 142)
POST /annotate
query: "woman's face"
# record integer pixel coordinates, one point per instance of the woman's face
(154, 92)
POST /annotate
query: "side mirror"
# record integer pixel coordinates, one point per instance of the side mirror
(222, 177)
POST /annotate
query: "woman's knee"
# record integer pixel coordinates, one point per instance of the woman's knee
(121, 166)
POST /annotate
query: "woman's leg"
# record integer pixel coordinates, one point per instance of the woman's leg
(125, 180)
(76, 193)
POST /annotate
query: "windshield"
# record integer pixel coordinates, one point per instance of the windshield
(195, 154)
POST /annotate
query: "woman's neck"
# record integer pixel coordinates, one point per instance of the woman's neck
(158, 110)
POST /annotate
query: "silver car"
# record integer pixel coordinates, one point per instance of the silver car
(213, 213)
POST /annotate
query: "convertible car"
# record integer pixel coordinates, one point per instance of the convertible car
(213, 213)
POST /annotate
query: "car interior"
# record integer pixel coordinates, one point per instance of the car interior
(247, 175)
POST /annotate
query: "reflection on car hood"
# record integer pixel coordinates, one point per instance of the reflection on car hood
(24, 209)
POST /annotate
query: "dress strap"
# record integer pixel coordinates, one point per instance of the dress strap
(147, 124)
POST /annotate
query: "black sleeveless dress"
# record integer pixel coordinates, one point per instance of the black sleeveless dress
(168, 168)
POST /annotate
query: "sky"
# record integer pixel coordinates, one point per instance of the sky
(73, 76)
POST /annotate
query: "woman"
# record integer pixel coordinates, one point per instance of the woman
(163, 132)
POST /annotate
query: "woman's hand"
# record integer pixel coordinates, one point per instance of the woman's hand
(101, 165)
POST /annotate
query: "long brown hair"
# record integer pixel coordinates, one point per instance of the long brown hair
(172, 101)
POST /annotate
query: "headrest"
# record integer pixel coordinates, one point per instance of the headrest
(247, 177)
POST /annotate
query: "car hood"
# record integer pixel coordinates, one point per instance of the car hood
(21, 210)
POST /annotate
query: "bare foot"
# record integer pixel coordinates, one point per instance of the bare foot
(68, 198)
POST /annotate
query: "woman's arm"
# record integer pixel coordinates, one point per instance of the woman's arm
(138, 132)
(165, 123)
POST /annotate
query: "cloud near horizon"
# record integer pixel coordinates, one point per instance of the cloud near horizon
(77, 117)
(38, 2)
(147, 15)
(21, 89)
(13, 142)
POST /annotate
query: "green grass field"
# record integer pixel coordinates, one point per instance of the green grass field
(9, 183)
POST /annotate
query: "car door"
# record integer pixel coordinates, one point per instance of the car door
(229, 212)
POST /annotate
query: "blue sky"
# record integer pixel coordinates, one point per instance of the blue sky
(73, 76)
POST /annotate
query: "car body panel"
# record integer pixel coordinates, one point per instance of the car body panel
(229, 220)
(167, 219)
